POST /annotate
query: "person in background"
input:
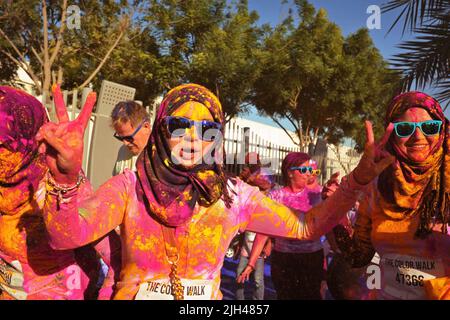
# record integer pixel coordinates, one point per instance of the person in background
(131, 123)
(263, 179)
(297, 265)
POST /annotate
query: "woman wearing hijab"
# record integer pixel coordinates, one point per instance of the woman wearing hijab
(29, 267)
(404, 215)
(179, 211)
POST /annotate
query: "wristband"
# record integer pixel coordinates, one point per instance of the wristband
(61, 189)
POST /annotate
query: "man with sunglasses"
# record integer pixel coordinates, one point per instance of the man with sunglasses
(131, 123)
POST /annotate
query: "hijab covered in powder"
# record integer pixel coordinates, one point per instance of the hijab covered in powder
(423, 188)
(21, 166)
(170, 191)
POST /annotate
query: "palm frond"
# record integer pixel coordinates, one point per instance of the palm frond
(426, 58)
(415, 12)
(424, 61)
(443, 92)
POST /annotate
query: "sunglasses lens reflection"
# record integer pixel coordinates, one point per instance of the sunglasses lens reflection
(176, 126)
(404, 129)
(431, 128)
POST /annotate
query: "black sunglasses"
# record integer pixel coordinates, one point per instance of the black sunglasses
(176, 126)
(129, 138)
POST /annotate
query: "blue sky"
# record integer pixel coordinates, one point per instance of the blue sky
(349, 15)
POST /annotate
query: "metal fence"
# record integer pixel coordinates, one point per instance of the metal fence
(241, 140)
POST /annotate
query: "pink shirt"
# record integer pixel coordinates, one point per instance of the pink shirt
(202, 242)
(299, 202)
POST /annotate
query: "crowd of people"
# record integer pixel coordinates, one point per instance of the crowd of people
(162, 224)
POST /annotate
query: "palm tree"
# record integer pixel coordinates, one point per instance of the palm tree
(425, 60)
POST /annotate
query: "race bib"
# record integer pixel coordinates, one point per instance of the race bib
(12, 279)
(403, 276)
(161, 290)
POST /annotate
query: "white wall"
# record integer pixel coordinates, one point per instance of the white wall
(269, 133)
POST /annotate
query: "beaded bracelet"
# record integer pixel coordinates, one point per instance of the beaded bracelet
(61, 189)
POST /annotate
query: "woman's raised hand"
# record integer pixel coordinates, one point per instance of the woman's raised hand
(62, 142)
(375, 159)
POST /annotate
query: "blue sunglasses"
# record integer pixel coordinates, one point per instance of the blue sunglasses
(304, 170)
(129, 138)
(177, 126)
(406, 129)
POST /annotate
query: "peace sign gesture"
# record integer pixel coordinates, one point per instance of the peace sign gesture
(375, 159)
(62, 142)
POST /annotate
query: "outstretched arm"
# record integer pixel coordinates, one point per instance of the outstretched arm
(269, 217)
(73, 221)
(274, 219)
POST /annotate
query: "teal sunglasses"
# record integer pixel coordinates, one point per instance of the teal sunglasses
(304, 170)
(406, 129)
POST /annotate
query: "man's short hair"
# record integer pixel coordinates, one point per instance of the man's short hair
(131, 111)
